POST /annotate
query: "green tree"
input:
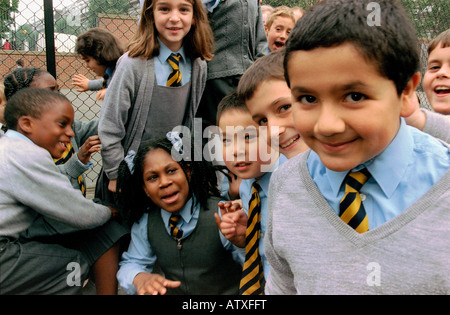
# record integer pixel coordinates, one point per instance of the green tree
(7, 7)
(430, 17)
(107, 7)
(26, 33)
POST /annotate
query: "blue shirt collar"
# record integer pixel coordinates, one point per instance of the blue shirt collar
(165, 52)
(210, 5)
(264, 181)
(185, 212)
(387, 168)
(17, 135)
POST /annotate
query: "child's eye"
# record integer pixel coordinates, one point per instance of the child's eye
(285, 108)
(307, 99)
(171, 171)
(434, 67)
(250, 136)
(152, 178)
(262, 121)
(355, 97)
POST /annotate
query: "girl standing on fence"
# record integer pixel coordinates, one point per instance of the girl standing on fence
(158, 82)
(100, 49)
(172, 201)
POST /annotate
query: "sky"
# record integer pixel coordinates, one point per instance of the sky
(31, 9)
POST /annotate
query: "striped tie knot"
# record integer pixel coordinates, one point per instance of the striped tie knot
(252, 272)
(351, 208)
(174, 78)
(4, 128)
(173, 221)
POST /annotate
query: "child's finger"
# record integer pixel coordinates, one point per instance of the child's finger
(172, 284)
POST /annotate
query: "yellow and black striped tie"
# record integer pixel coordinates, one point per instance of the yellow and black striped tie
(351, 208)
(252, 272)
(174, 79)
(63, 160)
(173, 221)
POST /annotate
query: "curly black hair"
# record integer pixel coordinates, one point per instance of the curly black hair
(133, 202)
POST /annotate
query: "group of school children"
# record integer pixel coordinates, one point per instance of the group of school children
(331, 179)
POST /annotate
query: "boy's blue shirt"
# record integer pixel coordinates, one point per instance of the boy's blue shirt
(411, 164)
(245, 192)
(163, 68)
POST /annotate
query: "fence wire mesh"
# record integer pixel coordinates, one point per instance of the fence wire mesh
(23, 33)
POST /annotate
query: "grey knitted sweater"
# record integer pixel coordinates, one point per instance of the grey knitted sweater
(31, 185)
(312, 251)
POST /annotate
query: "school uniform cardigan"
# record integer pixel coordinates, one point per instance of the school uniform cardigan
(126, 105)
(30, 184)
(239, 35)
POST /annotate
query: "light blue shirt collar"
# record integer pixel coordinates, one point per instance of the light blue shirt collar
(394, 158)
(210, 5)
(165, 52)
(17, 135)
(185, 212)
(264, 181)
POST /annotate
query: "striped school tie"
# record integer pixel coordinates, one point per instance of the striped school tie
(4, 128)
(63, 160)
(173, 221)
(351, 208)
(174, 79)
(252, 272)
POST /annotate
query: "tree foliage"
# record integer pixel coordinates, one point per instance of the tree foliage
(107, 7)
(7, 7)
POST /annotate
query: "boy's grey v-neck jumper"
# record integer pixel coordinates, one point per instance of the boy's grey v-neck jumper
(312, 251)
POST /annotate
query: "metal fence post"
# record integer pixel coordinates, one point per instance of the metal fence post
(49, 37)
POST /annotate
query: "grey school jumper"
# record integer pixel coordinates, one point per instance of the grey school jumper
(312, 251)
(126, 106)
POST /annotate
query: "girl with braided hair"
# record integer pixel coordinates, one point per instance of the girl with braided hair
(171, 199)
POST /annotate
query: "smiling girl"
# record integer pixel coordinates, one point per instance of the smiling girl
(172, 206)
(151, 97)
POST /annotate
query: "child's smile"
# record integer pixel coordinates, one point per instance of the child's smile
(343, 108)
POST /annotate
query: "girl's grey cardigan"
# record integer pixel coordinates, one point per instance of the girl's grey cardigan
(127, 101)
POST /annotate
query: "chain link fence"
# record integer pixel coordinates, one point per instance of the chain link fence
(25, 25)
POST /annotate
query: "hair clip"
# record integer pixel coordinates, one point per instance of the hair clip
(129, 159)
(174, 138)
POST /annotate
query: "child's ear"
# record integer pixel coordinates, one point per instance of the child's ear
(25, 124)
(409, 97)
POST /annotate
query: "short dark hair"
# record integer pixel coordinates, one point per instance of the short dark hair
(391, 44)
(443, 39)
(29, 102)
(101, 45)
(230, 101)
(269, 67)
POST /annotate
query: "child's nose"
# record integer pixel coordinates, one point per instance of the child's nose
(175, 16)
(329, 121)
(69, 132)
